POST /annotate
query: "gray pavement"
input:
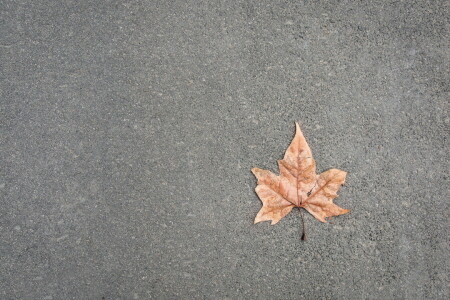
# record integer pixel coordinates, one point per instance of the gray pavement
(129, 128)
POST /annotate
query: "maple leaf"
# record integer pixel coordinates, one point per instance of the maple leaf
(298, 185)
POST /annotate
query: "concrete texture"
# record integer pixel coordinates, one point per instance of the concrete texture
(129, 129)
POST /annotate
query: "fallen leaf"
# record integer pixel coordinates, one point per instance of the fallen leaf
(298, 185)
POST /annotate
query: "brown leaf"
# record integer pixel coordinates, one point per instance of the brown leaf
(298, 185)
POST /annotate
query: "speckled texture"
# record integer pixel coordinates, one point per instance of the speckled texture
(129, 128)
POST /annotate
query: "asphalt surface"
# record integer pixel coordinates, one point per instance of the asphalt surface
(129, 128)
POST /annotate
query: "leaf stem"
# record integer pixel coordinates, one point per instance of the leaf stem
(303, 224)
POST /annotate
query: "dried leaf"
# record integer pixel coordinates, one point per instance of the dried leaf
(298, 185)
